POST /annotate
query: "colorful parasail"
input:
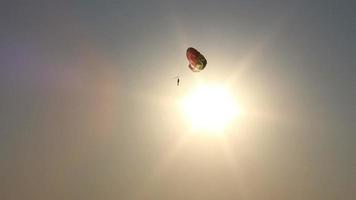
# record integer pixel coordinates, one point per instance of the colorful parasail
(197, 61)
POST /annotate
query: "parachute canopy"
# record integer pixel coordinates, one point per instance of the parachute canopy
(197, 61)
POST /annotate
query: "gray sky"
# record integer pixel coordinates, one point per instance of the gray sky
(88, 101)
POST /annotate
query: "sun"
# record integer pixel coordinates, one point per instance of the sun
(209, 108)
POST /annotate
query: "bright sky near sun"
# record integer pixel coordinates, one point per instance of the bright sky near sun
(89, 108)
(209, 108)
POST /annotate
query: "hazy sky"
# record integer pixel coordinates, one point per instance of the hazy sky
(88, 104)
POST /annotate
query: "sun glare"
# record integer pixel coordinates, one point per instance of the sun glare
(209, 108)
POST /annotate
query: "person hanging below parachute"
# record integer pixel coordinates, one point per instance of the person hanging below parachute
(197, 62)
(177, 77)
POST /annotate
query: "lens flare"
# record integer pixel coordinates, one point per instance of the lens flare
(209, 108)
